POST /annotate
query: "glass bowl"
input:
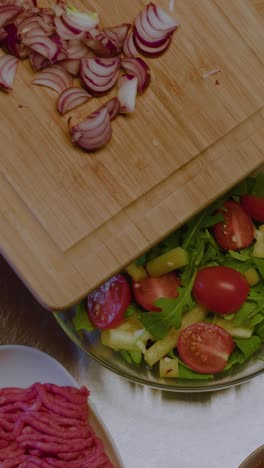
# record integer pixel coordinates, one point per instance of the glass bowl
(90, 343)
(255, 459)
(144, 375)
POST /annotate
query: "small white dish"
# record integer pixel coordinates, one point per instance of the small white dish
(21, 366)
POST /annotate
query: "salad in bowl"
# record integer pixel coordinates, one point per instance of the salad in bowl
(192, 307)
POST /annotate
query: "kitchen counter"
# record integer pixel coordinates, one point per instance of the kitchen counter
(152, 429)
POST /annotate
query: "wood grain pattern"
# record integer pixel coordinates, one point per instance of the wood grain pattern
(68, 219)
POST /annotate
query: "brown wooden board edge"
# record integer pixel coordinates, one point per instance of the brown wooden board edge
(208, 171)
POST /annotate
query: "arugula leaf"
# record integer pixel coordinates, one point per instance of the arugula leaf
(185, 372)
(258, 188)
(259, 263)
(244, 187)
(81, 320)
(211, 220)
(159, 323)
(132, 310)
(256, 319)
(237, 357)
(248, 346)
(132, 357)
(141, 260)
(259, 331)
(240, 266)
(242, 256)
(243, 313)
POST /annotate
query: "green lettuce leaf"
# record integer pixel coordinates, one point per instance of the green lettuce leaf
(185, 372)
(81, 320)
(248, 346)
(132, 357)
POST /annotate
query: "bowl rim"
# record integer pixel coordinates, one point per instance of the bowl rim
(156, 385)
(251, 457)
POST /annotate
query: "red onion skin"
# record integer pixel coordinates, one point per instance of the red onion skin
(8, 13)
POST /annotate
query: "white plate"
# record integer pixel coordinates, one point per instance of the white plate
(21, 366)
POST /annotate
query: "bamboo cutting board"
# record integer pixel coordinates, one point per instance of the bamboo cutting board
(69, 219)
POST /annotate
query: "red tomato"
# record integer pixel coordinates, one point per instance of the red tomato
(205, 347)
(254, 206)
(107, 304)
(220, 289)
(237, 230)
(148, 290)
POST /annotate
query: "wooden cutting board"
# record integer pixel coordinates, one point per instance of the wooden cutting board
(69, 219)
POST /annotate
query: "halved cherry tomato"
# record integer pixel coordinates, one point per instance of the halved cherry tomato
(148, 290)
(107, 304)
(205, 347)
(237, 230)
(220, 289)
(254, 206)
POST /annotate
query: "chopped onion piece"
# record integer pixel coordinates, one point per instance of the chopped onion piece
(38, 62)
(127, 93)
(71, 98)
(65, 31)
(54, 77)
(44, 46)
(94, 132)
(113, 107)
(8, 67)
(211, 72)
(159, 19)
(137, 67)
(153, 50)
(78, 20)
(3, 34)
(8, 13)
(72, 66)
(99, 75)
(129, 47)
(76, 49)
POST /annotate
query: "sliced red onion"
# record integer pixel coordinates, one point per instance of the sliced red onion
(71, 98)
(28, 24)
(43, 45)
(99, 75)
(38, 62)
(76, 49)
(72, 66)
(8, 67)
(137, 67)
(3, 34)
(107, 42)
(127, 93)
(11, 44)
(129, 47)
(8, 13)
(113, 107)
(54, 77)
(77, 20)
(159, 19)
(65, 31)
(152, 31)
(94, 132)
(153, 50)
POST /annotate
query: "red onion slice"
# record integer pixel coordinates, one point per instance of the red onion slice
(8, 68)
(43, 45)
(3, 34)
(153, 50)
(76, 49)
(137, 67)
(127, 93)
(159, 19)
(54, 77)
(72, 66)
(99, 75)
(71, 98)
(38, 62)
(113, 107)
(129, 47)
(94, 132)
(78, 20)
(8, 13)
(117, 35)
(64, 31)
